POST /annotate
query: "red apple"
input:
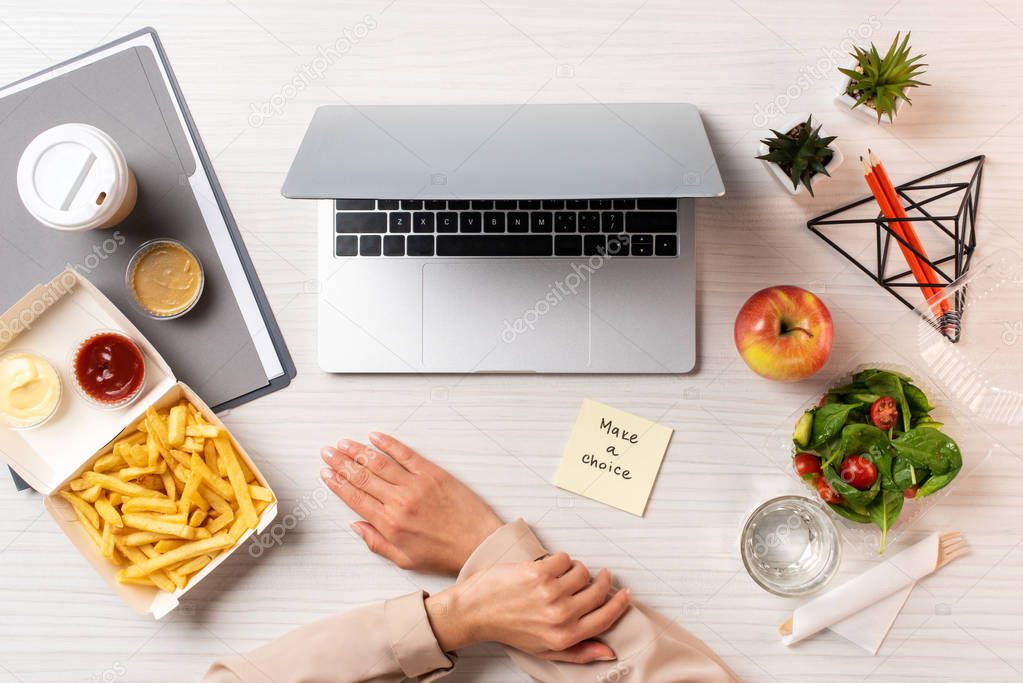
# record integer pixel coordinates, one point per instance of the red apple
(784, 333)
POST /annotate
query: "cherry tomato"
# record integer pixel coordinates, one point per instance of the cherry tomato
(827, 493)
(858, 472)
(884, 413)
(807, 465)
(911, 492)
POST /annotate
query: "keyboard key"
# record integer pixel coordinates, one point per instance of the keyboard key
(420, 245)
(665, 204)
(589, 221)
(347, 245)
(577, 204)
(617, 245)
(493, 222)
(413, 204)
(470, 221)
(529, 204)
(458, 204)
(493, 245)
(394, 245)
(568, 245)
(593, 245)
(612, 221)
(400, 222)
(541, 221)
(624, 204)
(600, 204)
(361, 222)
(666, 245)
(553, 204)
(642, 245)
(369, 245)
(422, 222)
(518, 221)
(506, 204)
(564, 221)
(651, 221)
(355, 204)
(387, 204)
(483, 204)
(435, 204)
(447, 221)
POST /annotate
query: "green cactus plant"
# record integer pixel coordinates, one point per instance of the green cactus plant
(880, 82)
(801, 153)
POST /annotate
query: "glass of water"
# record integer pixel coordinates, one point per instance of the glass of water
(790, 546)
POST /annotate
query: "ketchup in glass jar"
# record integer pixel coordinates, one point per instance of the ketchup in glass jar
(110, 369)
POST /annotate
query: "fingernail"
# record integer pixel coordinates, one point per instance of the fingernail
(610, 658)
(327, 453)
(357, 528)
(375, 436)
(327, 474)
(345, 444)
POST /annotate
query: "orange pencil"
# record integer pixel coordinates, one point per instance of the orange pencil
(889, 212)
(906, 231)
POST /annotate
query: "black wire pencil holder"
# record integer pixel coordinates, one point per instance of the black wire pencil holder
(953, 237)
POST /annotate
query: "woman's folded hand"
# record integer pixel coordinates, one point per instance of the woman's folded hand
(416, 514)
(550, 608)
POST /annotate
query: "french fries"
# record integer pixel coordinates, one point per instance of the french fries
(166, 500)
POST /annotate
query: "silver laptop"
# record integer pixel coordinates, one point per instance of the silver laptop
(506, 238)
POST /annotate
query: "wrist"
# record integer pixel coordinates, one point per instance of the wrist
(449, 620)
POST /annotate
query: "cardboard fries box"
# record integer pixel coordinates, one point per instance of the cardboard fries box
(50, 321)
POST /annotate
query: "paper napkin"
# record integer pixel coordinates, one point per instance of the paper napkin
(863, 609)
(613, 456)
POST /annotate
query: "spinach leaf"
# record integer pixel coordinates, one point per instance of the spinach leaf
(829, 420)
(849, 513)
(883, 462)
(890, 384)
(927, 421)
(884, 511)
(864, 375)
(918, 401)
(859, 439)
(852, 496)
(937, 482)
(829, 451)
(930, 448)
(902, 476)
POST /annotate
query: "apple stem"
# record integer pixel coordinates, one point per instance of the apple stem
(805, 331)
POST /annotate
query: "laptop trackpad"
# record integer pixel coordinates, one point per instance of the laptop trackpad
(505, 316)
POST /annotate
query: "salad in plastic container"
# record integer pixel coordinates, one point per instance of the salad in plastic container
(870, 444)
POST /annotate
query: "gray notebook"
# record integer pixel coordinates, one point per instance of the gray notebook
(229, 348)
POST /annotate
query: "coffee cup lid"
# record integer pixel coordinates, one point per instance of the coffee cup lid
(72, 177)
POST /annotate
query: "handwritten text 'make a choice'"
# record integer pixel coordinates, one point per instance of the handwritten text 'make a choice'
(611, 429)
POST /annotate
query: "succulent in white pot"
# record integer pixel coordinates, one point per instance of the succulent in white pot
(800, 153)
(876, 85)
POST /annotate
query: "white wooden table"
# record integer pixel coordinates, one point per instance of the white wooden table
(503, 435)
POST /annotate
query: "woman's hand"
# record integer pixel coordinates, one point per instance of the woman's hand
(549, 608)
(417, 515)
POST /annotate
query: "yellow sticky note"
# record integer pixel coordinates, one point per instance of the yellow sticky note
(613, 457)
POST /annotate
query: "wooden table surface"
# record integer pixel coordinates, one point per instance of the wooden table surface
(504, 435)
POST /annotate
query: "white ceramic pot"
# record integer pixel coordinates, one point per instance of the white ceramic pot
(836, 158)
(846, 101)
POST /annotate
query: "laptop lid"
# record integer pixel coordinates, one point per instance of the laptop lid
(531, 151)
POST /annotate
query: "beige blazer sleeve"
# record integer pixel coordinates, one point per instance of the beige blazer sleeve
(383, 643)
(650, 647)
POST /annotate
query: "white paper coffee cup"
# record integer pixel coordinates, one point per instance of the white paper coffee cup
(74, 177)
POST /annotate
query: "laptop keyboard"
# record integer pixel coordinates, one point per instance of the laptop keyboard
(506, 227)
